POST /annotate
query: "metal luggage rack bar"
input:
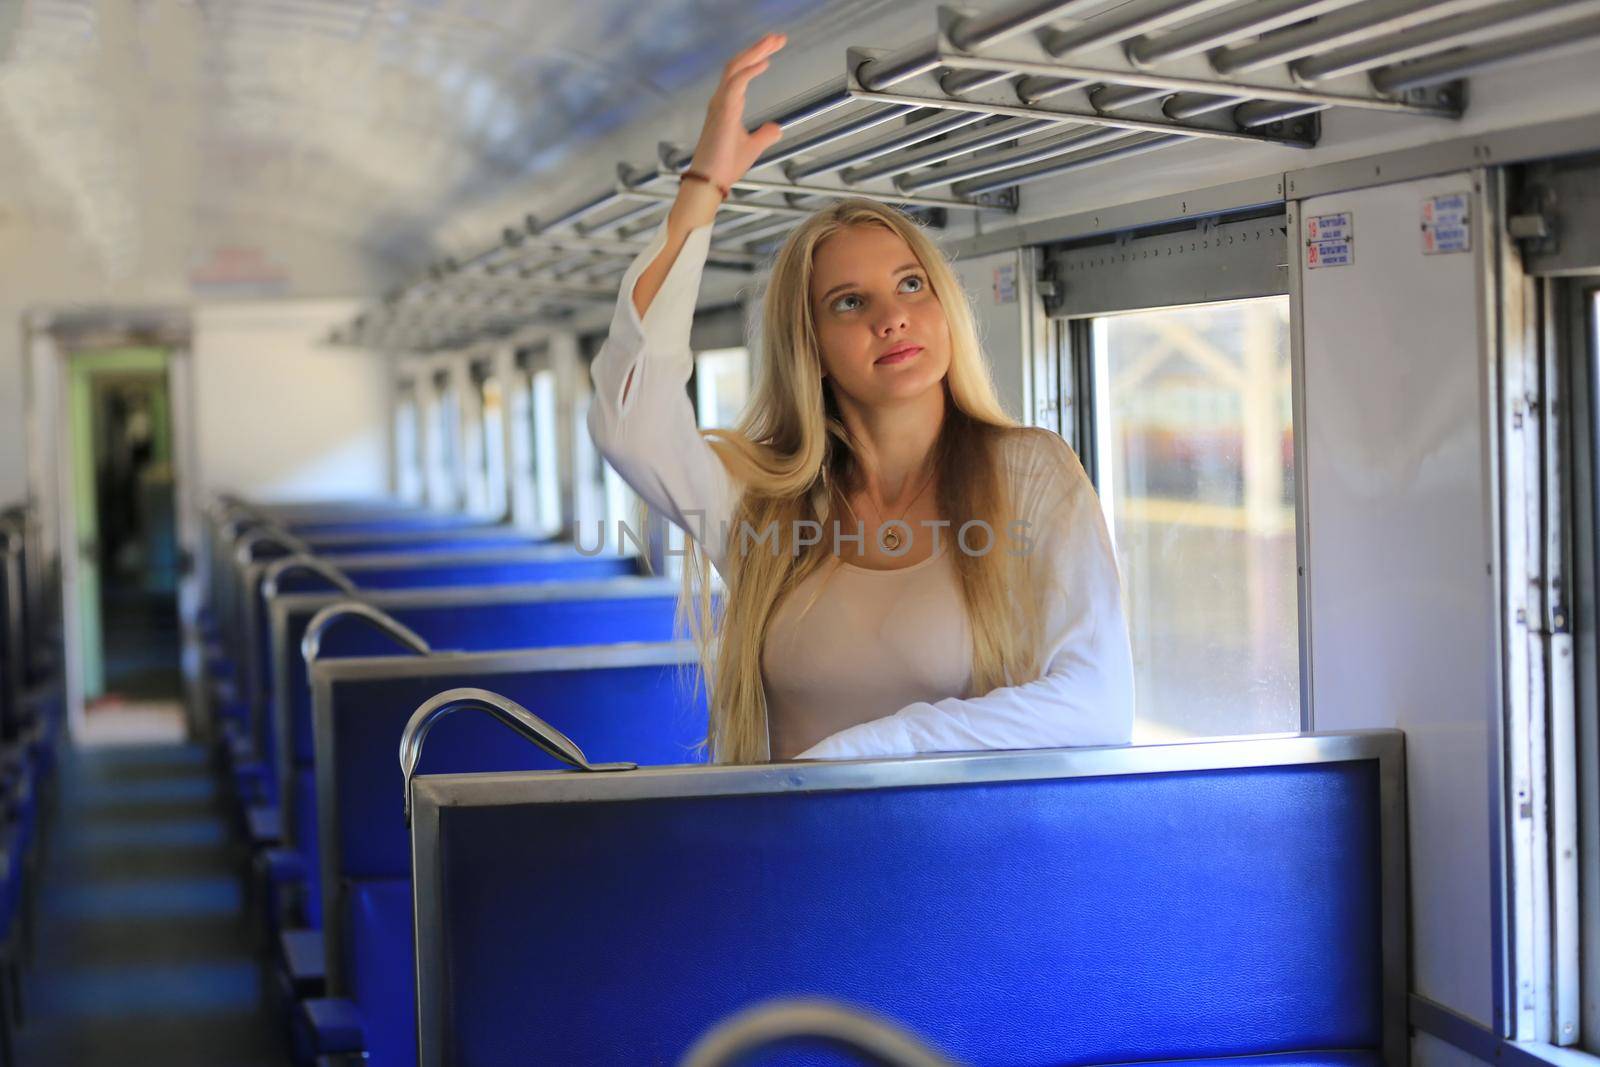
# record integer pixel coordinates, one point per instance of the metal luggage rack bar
(963, 119)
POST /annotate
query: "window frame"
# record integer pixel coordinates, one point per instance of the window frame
(1153, 268)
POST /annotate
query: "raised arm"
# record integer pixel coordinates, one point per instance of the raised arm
(642, 420)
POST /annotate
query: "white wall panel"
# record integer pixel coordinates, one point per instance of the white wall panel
(1002, 324)
(281, 417)
(1402, 607)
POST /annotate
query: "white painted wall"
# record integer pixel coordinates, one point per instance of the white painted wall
(279, 416)
(1002, 317)
(1400, 562)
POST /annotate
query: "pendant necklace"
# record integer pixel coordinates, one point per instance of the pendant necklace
(889, 539)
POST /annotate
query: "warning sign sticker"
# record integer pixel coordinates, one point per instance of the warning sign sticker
(1330, 240)
(1447, 224)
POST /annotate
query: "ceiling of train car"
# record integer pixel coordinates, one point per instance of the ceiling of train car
(229, 136)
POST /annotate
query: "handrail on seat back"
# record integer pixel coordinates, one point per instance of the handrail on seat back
(243, 551)
(311, 643)
(557, 744)
(876, 1040)
(303, 562)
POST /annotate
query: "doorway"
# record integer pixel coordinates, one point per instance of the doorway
(128, 561)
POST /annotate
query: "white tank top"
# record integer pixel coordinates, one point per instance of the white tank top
(872, 642)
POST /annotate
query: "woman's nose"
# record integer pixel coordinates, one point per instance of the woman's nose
(893, 320)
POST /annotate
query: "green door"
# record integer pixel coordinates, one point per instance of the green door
(90, 369)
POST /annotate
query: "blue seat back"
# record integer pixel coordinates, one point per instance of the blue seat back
(469, 625)
(1010, 916)
(637, 704)
(455, 573)
(303, 831)
(426, 541)
(392, 524)
(379, 944)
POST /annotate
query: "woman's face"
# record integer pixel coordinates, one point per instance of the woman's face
(882, 330)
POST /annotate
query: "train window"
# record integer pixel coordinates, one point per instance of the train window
(546, 451)
(407, 444)
(1193, 439)
(519, 451)
(490, 469)
(722, 385)
(444, 442)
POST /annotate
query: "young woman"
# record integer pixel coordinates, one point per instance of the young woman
(907, 569)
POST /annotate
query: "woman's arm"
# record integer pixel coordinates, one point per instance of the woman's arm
(1085, 694)
(642, 420)
(641, 417)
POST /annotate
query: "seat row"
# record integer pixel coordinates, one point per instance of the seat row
(31, 712)
(477, 827)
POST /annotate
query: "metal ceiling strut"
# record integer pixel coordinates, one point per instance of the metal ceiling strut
(989, 103)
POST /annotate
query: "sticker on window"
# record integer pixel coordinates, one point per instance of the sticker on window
(1330, 240)
(1447, 224)
(1005, 284)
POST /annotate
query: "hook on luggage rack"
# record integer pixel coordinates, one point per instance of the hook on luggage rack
(874, 1040)
(518, 718)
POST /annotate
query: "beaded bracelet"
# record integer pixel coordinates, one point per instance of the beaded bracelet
(695, 175)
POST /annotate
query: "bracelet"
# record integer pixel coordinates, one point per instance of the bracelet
(694, 175)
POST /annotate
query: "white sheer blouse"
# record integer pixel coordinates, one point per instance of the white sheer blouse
(862, 663)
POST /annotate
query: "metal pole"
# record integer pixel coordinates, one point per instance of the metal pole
(1376, 18)
(1119, 25)
(1009, 158)
(979, 32)
(1264, 112)
(913, 133)
(1066, 164)
(1226, 27)
(1463, 62)
(1478, 27)
(1186, 106)
(986, 136)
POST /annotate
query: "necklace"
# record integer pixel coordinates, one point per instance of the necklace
(889, 539)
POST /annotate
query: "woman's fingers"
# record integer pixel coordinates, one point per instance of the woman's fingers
(739, 82)
(756, 53)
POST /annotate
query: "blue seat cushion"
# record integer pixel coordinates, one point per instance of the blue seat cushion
(300, 954)
(265, 823)
(332, 1025)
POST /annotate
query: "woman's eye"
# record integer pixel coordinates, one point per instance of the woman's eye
(839, 304)
(911, 283)
(848, 302)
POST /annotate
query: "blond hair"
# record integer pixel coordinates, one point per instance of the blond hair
(790, 447)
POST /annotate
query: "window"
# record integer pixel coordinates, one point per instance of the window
(722, 385)
(487, 486)
(548, 519)
(519, 443)
(407, 444)
(1193, 439)
(444, 443)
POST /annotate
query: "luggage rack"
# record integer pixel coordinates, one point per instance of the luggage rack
(990, 103)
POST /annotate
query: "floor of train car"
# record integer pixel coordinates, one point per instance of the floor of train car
(141, 957)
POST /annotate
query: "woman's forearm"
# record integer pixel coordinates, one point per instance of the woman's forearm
(696, 205)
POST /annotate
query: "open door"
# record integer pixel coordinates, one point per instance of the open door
(124, 573)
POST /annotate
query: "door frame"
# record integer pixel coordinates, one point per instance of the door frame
(73, 357)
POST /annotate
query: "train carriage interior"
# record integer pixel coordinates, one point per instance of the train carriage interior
(349, 713)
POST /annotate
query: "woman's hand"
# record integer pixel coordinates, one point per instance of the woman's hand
(726, 150)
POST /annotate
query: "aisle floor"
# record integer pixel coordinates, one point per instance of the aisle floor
(141, 956)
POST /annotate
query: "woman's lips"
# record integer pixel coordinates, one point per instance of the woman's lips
(898, 357)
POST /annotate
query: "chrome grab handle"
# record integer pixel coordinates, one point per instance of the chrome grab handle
(300, 561)
(286, 541)
(875, 1040)
(311, 643)
(530, 726)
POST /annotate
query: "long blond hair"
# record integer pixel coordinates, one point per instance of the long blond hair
(790, 447)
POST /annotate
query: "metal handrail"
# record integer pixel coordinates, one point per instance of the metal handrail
(270, 535)
(508, 711)
(876, 1040)
(300, 561)
(311, 643)
(1404, 44)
